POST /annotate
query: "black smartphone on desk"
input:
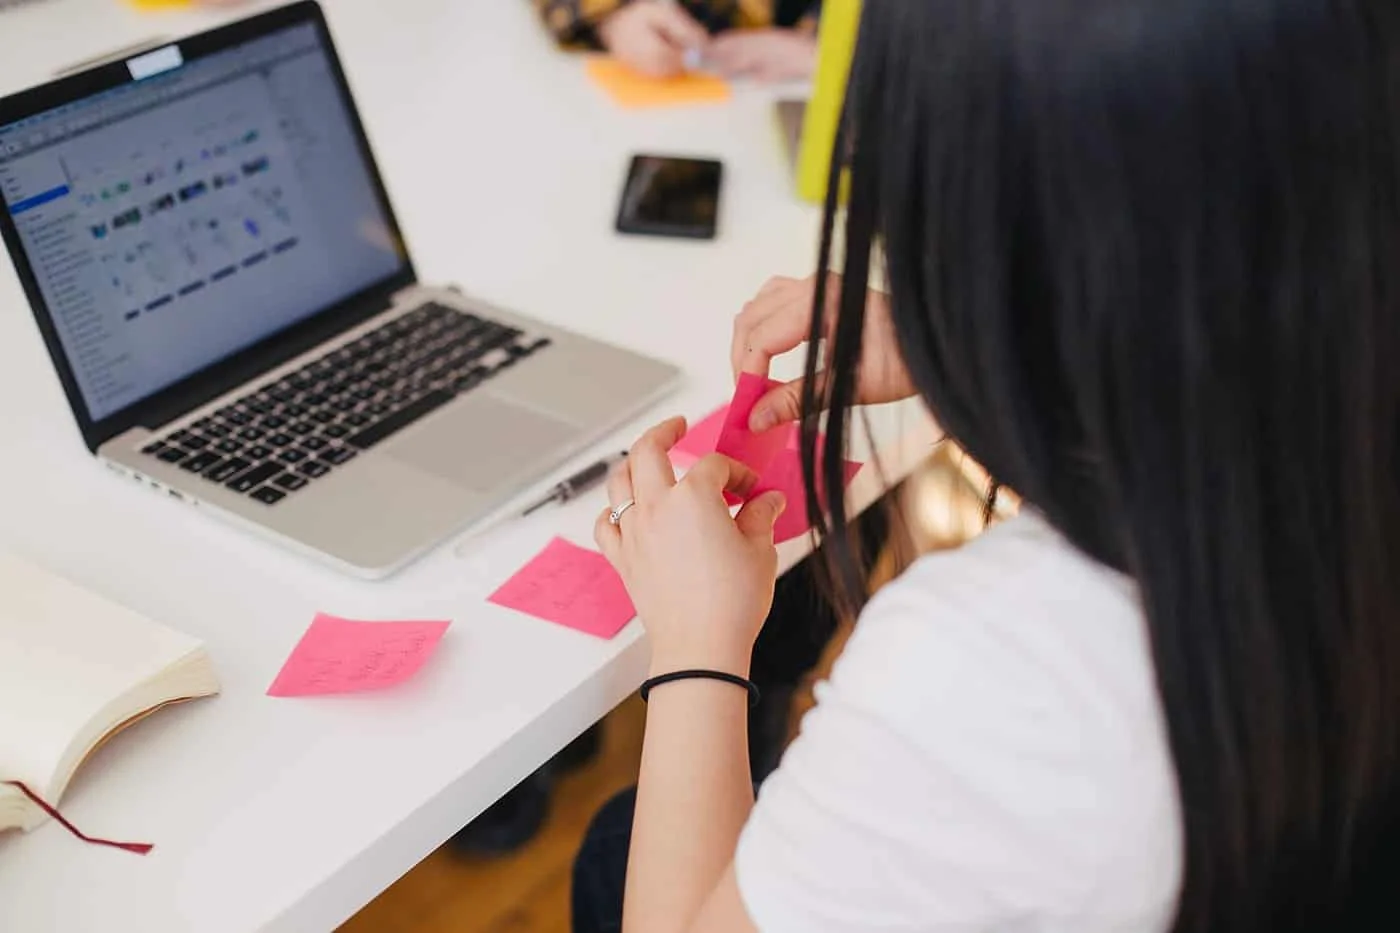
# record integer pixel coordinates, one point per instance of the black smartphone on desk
(672, 197)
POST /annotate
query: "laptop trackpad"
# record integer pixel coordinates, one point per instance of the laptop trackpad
(480, 442)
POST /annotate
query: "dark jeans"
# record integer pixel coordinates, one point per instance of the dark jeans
(600, 869)
(791, 643)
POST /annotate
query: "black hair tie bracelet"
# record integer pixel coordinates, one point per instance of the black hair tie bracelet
(734, 679)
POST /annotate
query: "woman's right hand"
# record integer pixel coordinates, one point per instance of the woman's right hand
(779, 319)
(652, 36)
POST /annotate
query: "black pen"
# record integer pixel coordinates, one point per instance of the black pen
(579, 483)
(570, 488)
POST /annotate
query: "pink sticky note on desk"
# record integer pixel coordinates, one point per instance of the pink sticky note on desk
(570, 586)
(343, 656)
(784, 475)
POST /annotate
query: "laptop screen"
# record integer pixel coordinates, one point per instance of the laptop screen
(185, 215)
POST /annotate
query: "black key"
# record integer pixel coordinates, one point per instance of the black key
(236, 416)
(201, 462)
(335, 430)
(314, 399)
(302, 428)
(325, 416)
(538, 345)
(338, 455)
(154, 448)
(227, 470)
(292, 455)
(195, 442)
(344, 404)
(216, 429)
(258, 452)
(314, 443)
(252, 479)
(202, 424)
(251, 434)
(290, 481)
(280, 440)
(272, 422)
(358, 419)
(400, 419)
(281, 393)
(172, 454)
(376, 408)
(228, 446)
(313, 469)
(269, 496)
(294, 410)
(365, 394)
(177, 437)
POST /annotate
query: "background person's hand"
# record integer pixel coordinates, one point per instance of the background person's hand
(702, 581)
(764, 54)
(779, 319)
(652, 36)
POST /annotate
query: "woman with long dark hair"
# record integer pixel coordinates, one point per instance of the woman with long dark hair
(1144, 265)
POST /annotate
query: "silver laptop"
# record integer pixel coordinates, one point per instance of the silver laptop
(212, 259)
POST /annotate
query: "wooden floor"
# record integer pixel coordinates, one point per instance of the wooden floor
(527, 892)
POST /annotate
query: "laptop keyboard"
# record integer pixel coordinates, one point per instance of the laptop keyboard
(276, 440)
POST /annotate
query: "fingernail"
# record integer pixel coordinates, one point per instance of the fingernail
(762, 419)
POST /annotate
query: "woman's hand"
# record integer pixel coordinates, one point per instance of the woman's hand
(652, 36)
(702, 581)
(779, 319)
(764, 54)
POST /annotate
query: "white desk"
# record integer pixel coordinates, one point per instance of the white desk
(280, 815)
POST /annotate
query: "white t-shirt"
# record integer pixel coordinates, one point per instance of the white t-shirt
(989, 754)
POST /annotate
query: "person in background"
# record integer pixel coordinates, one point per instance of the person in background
(1142, 266)
(766, 40)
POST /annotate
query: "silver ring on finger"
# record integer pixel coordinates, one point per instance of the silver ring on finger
(615, 516)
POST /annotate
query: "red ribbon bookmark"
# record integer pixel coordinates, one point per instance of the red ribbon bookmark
(140, 848)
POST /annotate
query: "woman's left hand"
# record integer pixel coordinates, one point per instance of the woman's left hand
(702, 581)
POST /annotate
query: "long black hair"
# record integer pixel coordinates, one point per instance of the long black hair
(1144, 265)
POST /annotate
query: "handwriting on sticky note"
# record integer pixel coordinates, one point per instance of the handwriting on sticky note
(736, 441)
(344, 656)
(784, 475)
(570, 586)
(631, 89)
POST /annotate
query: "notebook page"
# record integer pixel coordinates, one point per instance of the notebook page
(65, 653)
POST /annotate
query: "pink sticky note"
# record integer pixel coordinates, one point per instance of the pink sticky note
(341, 656)
(570, 586)
(736, 441)
(700, 439)
(784, 474)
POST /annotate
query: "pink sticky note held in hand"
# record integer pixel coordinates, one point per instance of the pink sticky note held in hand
(570, 586)
(343, 656)
(700, 439)
(784, 475)
(735, 439)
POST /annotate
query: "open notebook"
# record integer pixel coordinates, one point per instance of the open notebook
(76, 669)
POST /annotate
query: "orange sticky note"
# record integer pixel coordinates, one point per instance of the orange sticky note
(570, 586)
(784, 474)
(160, 4)
(630, 89)
(343, 656)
